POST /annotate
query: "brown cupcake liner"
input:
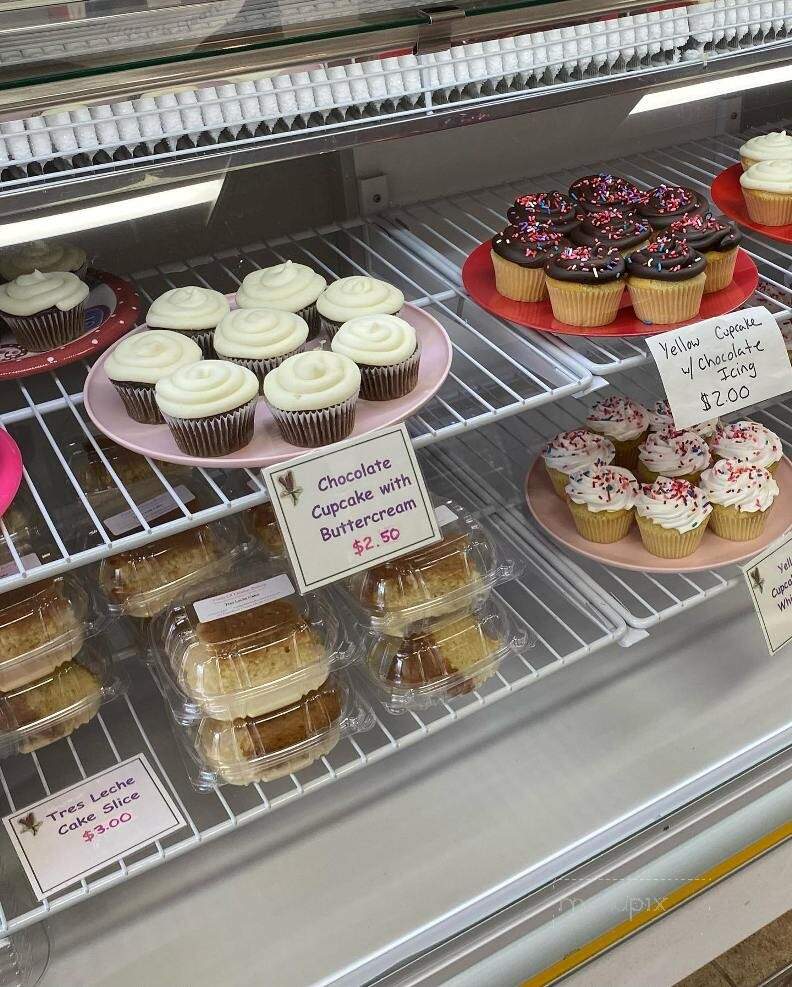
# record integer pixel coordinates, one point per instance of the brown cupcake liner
(663, 302)
(768, 208)
(720, 269)
(559, 480)
(521, 284)
(736, 525)
(262, 367)
(204, 338)
(584, 304)
(310, 429)
(311, 315)
(215, 435)
(387, 383)
(645, 475)
(604, 527)
(139, 401)
(668, 543)
(48, 329)
(330, 327)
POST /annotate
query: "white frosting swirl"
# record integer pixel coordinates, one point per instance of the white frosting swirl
(32, 293)
(147, 356)
(209, 387)
(311, 381)
(259, 333)
(40, 255)
(603, 488)
(731, 483)
(289, 287)
(347, 298)
(769, 176)
(767, 147)
(618, 418)
(190, 309)
(747, 441)
(578, 449)
(375, 340)
(674, 454)
(673, 504)
(661, 420)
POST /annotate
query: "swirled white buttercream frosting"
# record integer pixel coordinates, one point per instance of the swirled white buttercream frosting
(40, 255)
(674, 454)
(312, 381)
(769, 176)
(32, 293)
(618, 418)
(578, 449)
(289, 287)
(209, 387)
(768, 147)
(259, 333)
(145, 357)
(747, 441)
(375, 340)
(731, 483)
(603, 488)
(673, 504)
(661, 420)
(348, 298)
(189, 309)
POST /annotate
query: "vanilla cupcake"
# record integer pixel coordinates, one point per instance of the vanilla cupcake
(44, 310)
(602, 501)
(767, 190)
(193, 311)
(624, 422)
(676, 455)
(136, 364)
(774, 146)
(209, 406)
(387, 353)
(661, 420)
(672, 517)
(570, 452)
(44, 256)
(312, 397)
(741, 496)
(260, 338)
(351, 297)
(749, 442)
(287, 287)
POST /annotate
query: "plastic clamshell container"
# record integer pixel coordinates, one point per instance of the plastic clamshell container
(130, 467)
(245, 645)
(55, 705)
(43, 625)
(263, 524)
(458, 571)
(440, 658)
(275, 744)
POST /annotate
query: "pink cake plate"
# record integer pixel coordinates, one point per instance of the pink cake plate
(10, 470)
(552, 514)
(107, 412)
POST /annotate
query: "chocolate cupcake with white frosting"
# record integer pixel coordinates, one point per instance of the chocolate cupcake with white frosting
(594, 193)
(348, 298)
(136, 364)
(611, 228)
(44, 256)
(44, 310)
(287, 287)
(552, 210)
(386, 351)
(191, 310)
(260, 338)
(665, 203)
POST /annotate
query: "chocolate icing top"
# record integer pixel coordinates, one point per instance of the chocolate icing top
(666, 258)
(586, 265)
(528, 245)
(665, 203)
(705, 232)
(612, 228)
(552, 209)
(605, 191)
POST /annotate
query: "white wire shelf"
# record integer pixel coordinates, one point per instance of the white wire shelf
(567, 623)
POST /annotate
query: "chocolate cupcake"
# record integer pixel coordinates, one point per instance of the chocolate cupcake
(287, 287)
(625, 231)
(386, 351)
(554, 210)
(585, 285)
(44, 310)
(593, 193)
(350, 297)
(44, 256)
(717, 240)
(519, 255)
(665, 203)
(192, 310)
(666, 281)
(260, 338)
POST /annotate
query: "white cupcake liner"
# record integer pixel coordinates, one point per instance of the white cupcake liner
(204, 338)
(48, 329)
(215, 435)
(387, 383)
(139, 401)
(310, 429)
(261, 367)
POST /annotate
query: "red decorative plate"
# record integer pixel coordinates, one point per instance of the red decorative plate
(111, 309)
(10, 470)
(478, 277)
(726, 193)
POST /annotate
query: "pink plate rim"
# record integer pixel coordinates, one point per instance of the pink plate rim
(10, 470)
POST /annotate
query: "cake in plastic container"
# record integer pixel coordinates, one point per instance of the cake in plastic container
(93, 475)
(245, 645)
(457, 572)
(265, 527)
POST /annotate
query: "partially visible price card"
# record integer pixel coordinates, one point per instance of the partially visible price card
(769, 579)
(721, 365)
(347, 507)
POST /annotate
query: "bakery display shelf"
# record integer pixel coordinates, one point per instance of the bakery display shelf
(566, 623)
(445, 231)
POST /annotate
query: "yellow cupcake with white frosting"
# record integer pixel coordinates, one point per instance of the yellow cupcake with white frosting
(386, 350)
(358, 295)
(767, 190)
(260, 338)
(774, 146)
(192, 310)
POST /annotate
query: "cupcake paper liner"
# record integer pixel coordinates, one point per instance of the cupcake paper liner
(387, 383)
(139, 401)
(204, 338)
(736, 525)
(747, 162)
(664, 302)
(626, 449)
(645, 475)
(215, 435)
(603, 527)
(768, 208)
(720, 269)
(311, 316)
(559, 481)
(668, 543)
(330, 328)
(521, 284)
(584, 304)
(262, 367)
(48, 329)
(310, 429)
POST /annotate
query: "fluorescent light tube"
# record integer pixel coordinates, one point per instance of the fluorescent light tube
(711, 89)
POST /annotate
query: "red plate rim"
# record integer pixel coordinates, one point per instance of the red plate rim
(10, 470)
(478, 277)
(726, 193)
